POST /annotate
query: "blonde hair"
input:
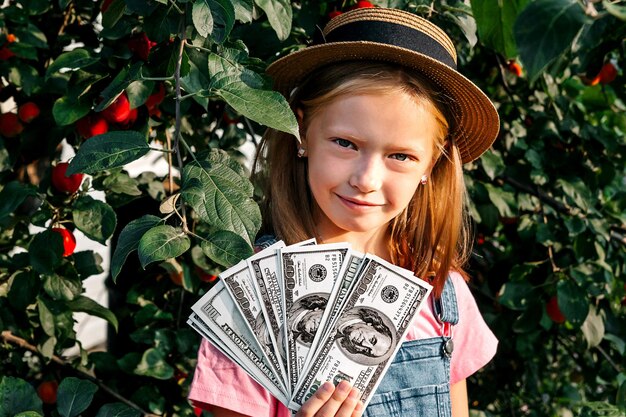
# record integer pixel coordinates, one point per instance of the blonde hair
(430, 237)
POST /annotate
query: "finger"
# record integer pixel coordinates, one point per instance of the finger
(349, 404)
(317, 400)
(358, 410)
(342, 390)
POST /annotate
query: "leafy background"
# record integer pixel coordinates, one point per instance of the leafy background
(548, 200)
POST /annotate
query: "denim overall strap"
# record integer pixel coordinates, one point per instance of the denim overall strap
(445, 307)
(264, 241)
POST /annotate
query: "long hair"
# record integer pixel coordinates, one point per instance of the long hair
(430, 237)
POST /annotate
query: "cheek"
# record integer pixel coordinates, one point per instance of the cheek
(401, 191)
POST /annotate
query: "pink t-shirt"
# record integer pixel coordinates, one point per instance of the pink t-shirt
(220, 382)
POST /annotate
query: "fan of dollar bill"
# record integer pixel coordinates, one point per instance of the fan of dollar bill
(294, 317)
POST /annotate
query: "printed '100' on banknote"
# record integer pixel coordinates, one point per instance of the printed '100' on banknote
(364, 339)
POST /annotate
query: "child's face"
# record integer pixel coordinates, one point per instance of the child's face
(366, 155)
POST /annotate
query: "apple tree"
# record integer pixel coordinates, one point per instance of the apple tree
(182, 82)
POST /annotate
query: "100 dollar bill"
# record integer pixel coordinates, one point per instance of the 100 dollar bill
(240, 284)
(217, 310)
(309, 274)
(368, 332)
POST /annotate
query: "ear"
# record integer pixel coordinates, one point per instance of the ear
(300, 117)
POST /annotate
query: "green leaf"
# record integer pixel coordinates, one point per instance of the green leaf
(226, 248)
(96, 219)
(232, 63)
(61, 287)
(593, 328)
(213, 17)
(197, 78)
(107, 151)
(268, 108)
(5, 161)
(120, 82)
(620, 398)
(113, 14)
(24, 288)
(515, 295)
(89, 306)
(546, 29)
(74, 396)
(572, 301)
(577, 191)
(24, 76)
(31, 35)
(36, 7)
(162, 242)
(279, 14)
(495, 20)
(122, 183)
(615, 9)
(138, 92)
(243, 10)
(153, 364)
(12, 195)
(46, 251)
(492, 163)
(18, 396)
(161, 24)
(503, 200)
(129, 241)
(72, 60)
(221, 196)
(68, 110)
(117, 410)
(87, 263)
(46, 318)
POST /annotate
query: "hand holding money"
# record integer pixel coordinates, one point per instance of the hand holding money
(302, 317)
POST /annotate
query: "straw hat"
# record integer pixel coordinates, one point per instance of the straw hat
(390, 35)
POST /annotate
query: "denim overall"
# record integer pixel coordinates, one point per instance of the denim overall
(417, 384)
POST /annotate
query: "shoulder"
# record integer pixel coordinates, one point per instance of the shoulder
(474, 342)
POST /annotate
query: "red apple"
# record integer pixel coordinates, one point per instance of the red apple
(119, 110)
(92, 125)
(28, 111)
(140, 45)
(69, 241)
(64, 183)
(156, 98)
(47, 391)
(553, 310)
(5, 53)
(608, 73)
(10, 125)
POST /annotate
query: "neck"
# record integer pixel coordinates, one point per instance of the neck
(376, 242)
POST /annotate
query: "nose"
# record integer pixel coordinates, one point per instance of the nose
(368, 174)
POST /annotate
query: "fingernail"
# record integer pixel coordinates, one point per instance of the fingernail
(327, 387)
(343, 387)
(354, 393)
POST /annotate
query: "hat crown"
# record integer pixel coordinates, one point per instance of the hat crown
(404, 21)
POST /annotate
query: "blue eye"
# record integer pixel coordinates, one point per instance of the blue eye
(344, 143)
(400, 156)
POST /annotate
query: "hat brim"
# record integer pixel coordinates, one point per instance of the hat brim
(476, 119)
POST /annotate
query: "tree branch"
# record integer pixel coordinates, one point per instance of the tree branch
(539, 193)
(9, 337)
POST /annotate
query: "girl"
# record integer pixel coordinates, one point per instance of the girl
(386, 123)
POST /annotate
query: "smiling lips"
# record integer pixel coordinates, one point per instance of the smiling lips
(354, 203)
